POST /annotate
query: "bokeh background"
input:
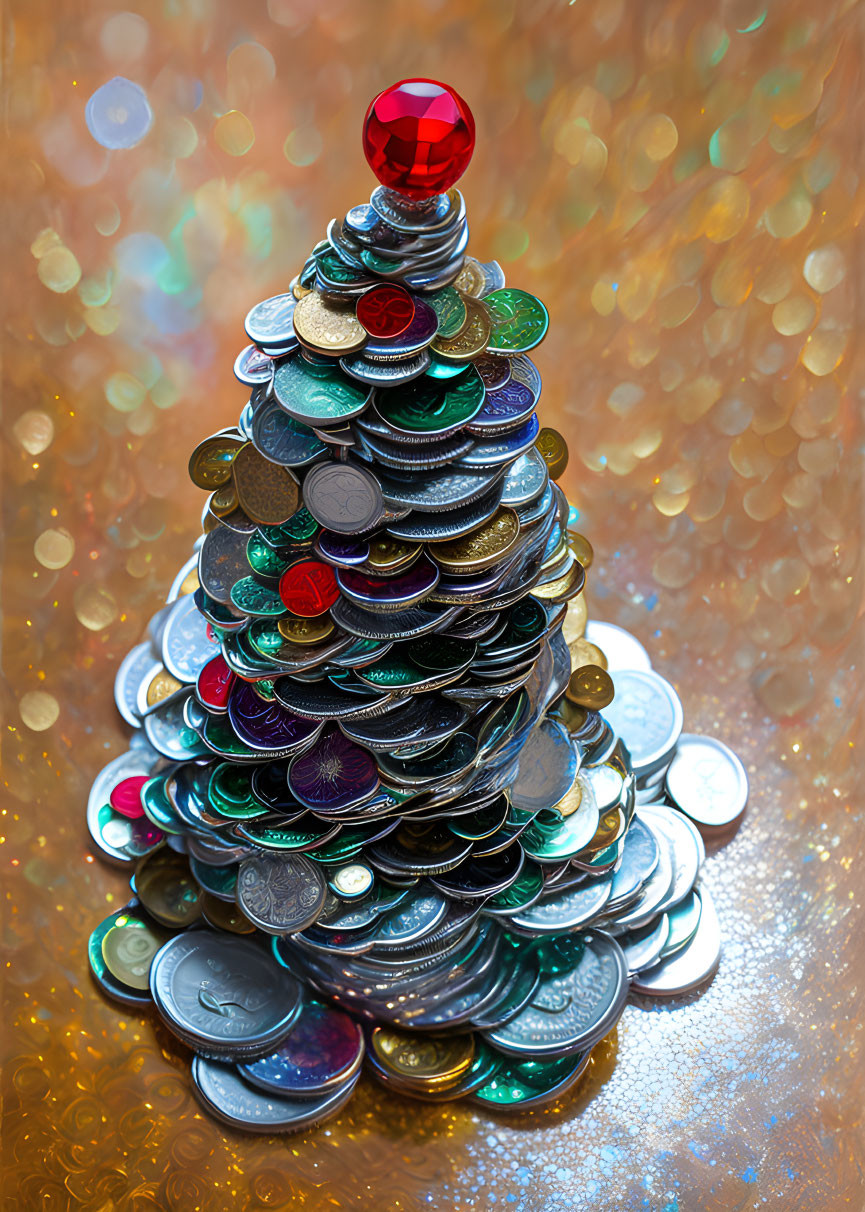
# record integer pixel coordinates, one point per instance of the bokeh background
(681, 182)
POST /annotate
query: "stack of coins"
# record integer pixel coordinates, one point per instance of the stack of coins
(388, 796)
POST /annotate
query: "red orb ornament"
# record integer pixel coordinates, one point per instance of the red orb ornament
(418, 137)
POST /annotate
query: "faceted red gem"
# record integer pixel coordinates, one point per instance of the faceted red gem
(309, 588)
(385, 311)
(214, 684)
(418, 137)
(126, 796)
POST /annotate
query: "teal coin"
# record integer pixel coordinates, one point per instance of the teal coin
(345, 845)
(253, 598)
(394, 671)
(230, 784)
(301, 528)
(158, 807)
(378, 265)
(551, 839)
(107, 982)
(519, 321)
(443, 370)
(522, 894)
(220, 738)
(442, 654)
(335, 270)
(318, 393)
(298, 839)
(450, 310)
(683, 919)
(426, 406)
(266, 638)
(529, 1084)
(263, 558)
(218, 881)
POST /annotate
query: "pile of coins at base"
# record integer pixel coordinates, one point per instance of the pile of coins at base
(389, 798)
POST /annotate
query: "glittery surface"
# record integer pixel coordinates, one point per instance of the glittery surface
(681, 183)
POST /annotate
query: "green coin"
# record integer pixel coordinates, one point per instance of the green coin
(271, 838)
(216, 611)
(253, 598)
(440, 654)
(318, 393)
(333, 269)
(300, 528)
(95, 953)
(522, 1083)
(263, 558)
(219, 881)
(550, 838)
(523, 892)
(221, 739)
(426, 406)
(375, 263)
(345, 845)
(450, 311)
(229, 784)
(246, 651)
(443, 370)
(158, 807)
(519, 321)
(393, 670)
(266, 638)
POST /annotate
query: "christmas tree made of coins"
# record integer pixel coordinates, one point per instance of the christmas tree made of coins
(364, 772)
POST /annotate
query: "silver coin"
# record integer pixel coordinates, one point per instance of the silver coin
(343, 497)
(620, 648)
(412, 920)
(525, 479)
(707, 781)
(271, 322)
(230, 1098)
(684, 852)
(683, 922)
(167, 731)
(187, 645)
(643, 946)
(222, 563)
(639, 859)
(283, 440)
(386, 374)
(224, 992)
(280, 894)
(572, 1010)
(565, 911)
(438, 491)
(110, 832)
(420, 719)
(652, 894)
(130, 674)
(691, 966)
(548, 768)
(647, 714)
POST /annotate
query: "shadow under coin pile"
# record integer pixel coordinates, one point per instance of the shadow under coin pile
(388, 798)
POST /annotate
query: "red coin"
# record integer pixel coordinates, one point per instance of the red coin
(309, 588)
(214, 684)
(418, 137)
(385, 311)
(126, 796)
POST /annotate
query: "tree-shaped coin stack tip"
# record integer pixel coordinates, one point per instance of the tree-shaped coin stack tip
(380, 803)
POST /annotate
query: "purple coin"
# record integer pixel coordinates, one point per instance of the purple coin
(324, 1049)
(334, 773)
(390, 592)
(415, 338)
(341, 549)
(504, 409)
(267, 726)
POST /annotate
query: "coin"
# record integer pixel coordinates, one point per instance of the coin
(342, 497)
(134, 998)
(167, 888)
(267, 492)
(128, 949)
(280, 894)
(430, 1061)
(471, 340)
(707, 781)
(334, 773)
(326, 328)
(427, 406)
(323, 1050)
(554, 451)
(308, 588)
(187, 641)
(590, 686)
(647, 715)
(318, 394)
(620, 648)
(226, 1094)
(547, 770)
(282, 439)
(386, 310)
(129, 674)
(692, 965)
(269, 323)
(210, 464)
(519, 321)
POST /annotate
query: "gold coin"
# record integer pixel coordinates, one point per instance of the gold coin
(560, 555)
(433, 1061)
(554, 450)
(574, 626)
(473, 339)
(210, 462)
(128, 949)
(297, 290)
(471, 279)
(585, 653)
(224, 500)
(225, 915)
(611, 826)
(162, 686)
(305, 631)
(268, 493)
(581, 547)
(190, 583)
(563, 587)
(569, 803)
(327, 329)
(572, 715)
(391, 555)
(482, 547)
(591, 686)
(166, 888)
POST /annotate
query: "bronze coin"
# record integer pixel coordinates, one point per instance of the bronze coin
(268, 493)
(591, 686)
(554, 451)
